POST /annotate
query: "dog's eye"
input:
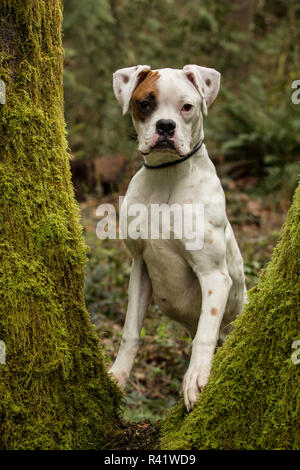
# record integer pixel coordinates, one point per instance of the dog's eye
(186, 107)
(144, 106)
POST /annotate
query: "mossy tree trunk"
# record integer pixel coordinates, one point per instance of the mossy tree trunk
(54, 390)
(252, 400)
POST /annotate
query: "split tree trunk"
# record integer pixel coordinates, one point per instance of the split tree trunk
(54, 390)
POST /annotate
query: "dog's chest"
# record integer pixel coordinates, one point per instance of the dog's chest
(175, 286)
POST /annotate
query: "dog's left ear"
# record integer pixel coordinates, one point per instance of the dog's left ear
(125, 82)
(206, 81)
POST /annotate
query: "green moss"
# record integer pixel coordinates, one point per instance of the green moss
(54, 390)
(252, 400)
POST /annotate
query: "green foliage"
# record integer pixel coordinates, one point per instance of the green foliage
(252, 399)
(255, 127)
(54, 389)
(107, 278)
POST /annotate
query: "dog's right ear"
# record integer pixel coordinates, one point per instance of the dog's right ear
(125, 82)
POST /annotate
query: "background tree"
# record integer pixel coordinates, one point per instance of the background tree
(54, 391)
(252, 400)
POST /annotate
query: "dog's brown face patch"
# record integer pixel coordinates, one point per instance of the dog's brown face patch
(144, 98)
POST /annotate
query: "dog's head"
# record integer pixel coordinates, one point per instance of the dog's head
(167, 106)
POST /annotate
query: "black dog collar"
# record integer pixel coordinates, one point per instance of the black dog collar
(181, 159)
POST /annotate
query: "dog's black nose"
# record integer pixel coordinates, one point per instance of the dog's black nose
(165, 127)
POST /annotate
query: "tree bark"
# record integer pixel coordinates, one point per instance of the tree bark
(54, 389)
(252, 400)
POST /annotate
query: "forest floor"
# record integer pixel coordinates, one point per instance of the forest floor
(154, 386)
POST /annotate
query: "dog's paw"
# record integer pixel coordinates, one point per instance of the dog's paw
(120, 376)
(194, 381)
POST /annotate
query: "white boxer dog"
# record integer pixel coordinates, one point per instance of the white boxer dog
(203, 288)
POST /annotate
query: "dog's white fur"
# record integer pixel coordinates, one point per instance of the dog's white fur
(202, 289)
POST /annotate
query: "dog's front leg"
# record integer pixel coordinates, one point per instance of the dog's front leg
(215, 287)
(140, 290)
